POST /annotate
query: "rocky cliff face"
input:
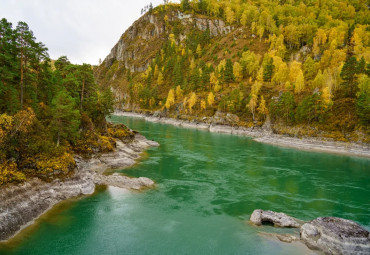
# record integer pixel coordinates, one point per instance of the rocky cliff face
(139, 44)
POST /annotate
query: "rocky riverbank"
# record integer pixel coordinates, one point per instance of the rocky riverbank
(21, 204)
(263, 135)
(330, 235)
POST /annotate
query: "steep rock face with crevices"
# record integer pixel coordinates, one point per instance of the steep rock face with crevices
(139, 44)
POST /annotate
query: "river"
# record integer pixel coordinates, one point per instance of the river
(207, 186)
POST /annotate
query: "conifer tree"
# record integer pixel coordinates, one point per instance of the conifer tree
(268, 70)
(9, 101)
(185, 5)
(229, 73)
(66, 118)
(348, 74)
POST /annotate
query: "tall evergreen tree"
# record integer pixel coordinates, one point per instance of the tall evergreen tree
(268, 70)
(348, 74)
(185, 5)
(66, 118)
(9, 101)
(229, 73)
(24, 40)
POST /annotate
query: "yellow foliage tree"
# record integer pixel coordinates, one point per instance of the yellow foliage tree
(260, 75)
(257, 85)
(217, 87)
(277, 45)
(299, 82)
(170, 99)
(156, 71)
(10, 173)
(61, 164)
(281, 71)
(160, 79)
(262, 109)
(203, 104)
(364, 84)
(326, 96)
(230, 16)
(287, 85)
(199, 50)
(251, 61)
(319, 80)
(152, 102)
(238, 71)
(221, 65)
(358, 38)
(147, 72)
(295, 68)
(185, 102)
(192, 64)
(213, 79)
(192, 101)
(260, 31)
(179, 92)
(244, 18)
(172, 39)
(252, 104)
(210, 99)
(6, 125)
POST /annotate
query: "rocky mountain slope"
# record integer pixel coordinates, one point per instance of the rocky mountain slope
(257, 62)
(140, 43)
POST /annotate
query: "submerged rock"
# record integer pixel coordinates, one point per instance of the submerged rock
(286, 238)
(278, 219)
(336, 236)
(121, 181)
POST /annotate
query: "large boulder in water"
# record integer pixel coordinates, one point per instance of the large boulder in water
(278, 219)
(336, 236)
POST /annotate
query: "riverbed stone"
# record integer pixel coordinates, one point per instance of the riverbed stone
(336, 236)
(259, 216)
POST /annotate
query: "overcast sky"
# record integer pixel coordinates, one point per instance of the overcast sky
(83, 30)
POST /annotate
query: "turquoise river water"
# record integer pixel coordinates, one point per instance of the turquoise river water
(207, 186)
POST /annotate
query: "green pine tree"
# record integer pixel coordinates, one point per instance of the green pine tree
(268, 70)
(228, 73)
(348, 74)
(66, 117)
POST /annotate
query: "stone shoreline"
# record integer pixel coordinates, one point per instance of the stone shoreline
(263, 136)
(330, 235)
(21, 205)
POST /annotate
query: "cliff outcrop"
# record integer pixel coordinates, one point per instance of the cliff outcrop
(141, 41)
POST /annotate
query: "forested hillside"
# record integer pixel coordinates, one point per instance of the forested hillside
(49, 110)
(304, 65)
